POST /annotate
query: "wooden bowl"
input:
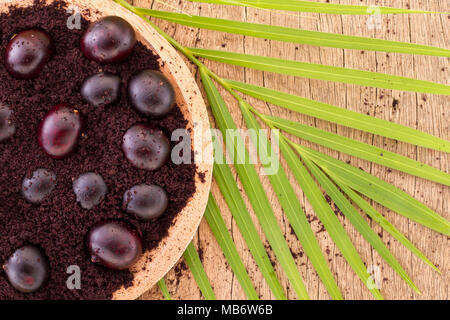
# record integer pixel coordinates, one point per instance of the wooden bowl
(157, 262)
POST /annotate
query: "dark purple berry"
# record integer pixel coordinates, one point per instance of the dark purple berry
(109, 40)
(27, 53)
(39, 186)
(7, 128)
(146, 147)
(59, 131)
(146, 201)
(102, 88)
(27, 269)
(90, 189)
(114, 244)
(151, 93)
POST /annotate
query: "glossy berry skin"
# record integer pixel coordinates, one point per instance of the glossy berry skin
(146, 147)
(59, 131)
(39, 186)
(114, 244)
(27, 53)
(27, 269)
(101, 89)
(7, 128)
(146, 202)
(90, 189)
(109, 40)
(151, 93)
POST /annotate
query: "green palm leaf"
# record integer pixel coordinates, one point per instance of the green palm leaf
(379, 191)
(343, 116)
(220, 231)
(360, 150)
(254, 189)
(358, 221)
(380, 219)
(165, 291)
(233, 197)
(196, 267)
(292, 208)
(308, 6)
(322, 72)
(314, 38)
(328, 218)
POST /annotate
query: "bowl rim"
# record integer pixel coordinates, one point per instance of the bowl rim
(154, 264)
